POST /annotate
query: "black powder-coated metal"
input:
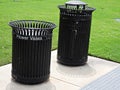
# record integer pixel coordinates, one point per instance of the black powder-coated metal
(74, 33)
(31, 50)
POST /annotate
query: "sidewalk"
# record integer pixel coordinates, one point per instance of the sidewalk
(62, 77)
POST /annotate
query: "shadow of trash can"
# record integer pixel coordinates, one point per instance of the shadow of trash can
(31, 50)
(74, 33)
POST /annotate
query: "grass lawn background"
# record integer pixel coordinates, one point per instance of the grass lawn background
(105, 31)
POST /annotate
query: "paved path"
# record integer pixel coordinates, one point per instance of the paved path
(62, 77)
(109, 81)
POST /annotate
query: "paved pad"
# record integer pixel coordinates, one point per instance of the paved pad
(62, 77)
(110, 81)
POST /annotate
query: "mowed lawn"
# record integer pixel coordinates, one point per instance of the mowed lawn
(105, 31)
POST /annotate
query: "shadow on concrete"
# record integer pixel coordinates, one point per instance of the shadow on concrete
(76, 71)
(43, 86)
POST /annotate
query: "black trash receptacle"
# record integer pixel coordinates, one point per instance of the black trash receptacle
(74, 33)
(31, 50)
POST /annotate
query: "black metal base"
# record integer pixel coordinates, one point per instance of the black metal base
(69, 62)
(33, 80)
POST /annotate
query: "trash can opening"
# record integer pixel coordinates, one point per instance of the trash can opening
(32, 27)
(30, 24)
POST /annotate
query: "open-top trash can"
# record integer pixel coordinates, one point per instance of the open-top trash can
(74, 33)
(31, 50)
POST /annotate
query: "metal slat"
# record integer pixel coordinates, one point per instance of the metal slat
(31, 50)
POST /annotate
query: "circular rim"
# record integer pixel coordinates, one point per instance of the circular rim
(87, 9)
(13, 22)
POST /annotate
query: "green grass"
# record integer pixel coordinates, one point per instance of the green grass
(105, 31)
(105, 34)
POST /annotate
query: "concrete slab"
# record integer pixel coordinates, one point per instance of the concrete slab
(81, 75)
(62, 77)
(110, 81)
(6, 82)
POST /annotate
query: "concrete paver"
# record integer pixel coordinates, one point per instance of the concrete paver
(81, 75)
(62, 77)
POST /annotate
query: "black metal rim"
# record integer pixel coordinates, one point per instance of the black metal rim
(52, 25)
(87, 8)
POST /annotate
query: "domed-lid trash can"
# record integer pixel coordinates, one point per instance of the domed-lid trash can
(74, 33)
(31, 50)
